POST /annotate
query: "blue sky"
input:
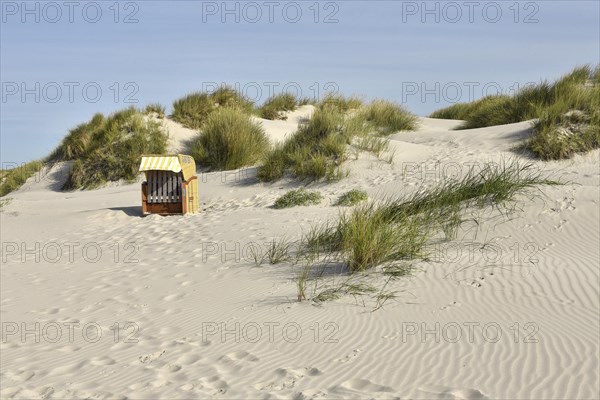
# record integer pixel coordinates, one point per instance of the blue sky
(426, 55)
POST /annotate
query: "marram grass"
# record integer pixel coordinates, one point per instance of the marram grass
(298, 197)
(14, 178)
(109, 148)
(398, 229)
(229, 140)
(193, 109)
(566, 113)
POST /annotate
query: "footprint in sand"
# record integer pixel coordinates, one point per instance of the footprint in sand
(214, 385)
(46, 392)
(149, 358)
(442, 392)
(365, 386)
(237, 360)
(171, 368)
(52, 311)
(69, 349)
(173, 297)
(68, 369)
(199, 390)
(167, 330)
(476, 284)
(312, 394)
(349, 357)
(453, 304)
(102, 360)
(160, 382)
(393, 336)
(188, 341)
(286, 378)
(560, 224)
(188, 359)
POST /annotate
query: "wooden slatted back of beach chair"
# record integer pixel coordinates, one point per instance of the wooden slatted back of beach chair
(164, 187)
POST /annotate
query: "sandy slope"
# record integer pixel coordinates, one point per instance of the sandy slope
(208, 323)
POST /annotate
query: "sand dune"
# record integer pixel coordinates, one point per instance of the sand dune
(515, 315)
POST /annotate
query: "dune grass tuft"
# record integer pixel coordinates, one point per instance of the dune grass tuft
(566, 112)
(368, 238)
(193, 109)
(524, 105)
(298, 197)
(558, 136)
(352, 198)
(274, 107)
(104, 149)
(494, 185)
(79, 140)
(395, 230)
(226, 96)
(387, 117)
(569, 126)
(316, 151)
(462, 111)
(373, 144)
(355, 125)
(278, 251)
(14, 178)
(155, 108)
(340, 103)
(109, 148)
(229, 140)
(275, 164)
(497, 110)
(303, 101)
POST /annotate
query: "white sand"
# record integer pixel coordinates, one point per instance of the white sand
(179, 290)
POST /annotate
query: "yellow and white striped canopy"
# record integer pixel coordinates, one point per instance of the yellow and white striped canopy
(160, 163)
(176, 163)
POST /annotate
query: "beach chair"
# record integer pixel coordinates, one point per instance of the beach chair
(171, 185)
